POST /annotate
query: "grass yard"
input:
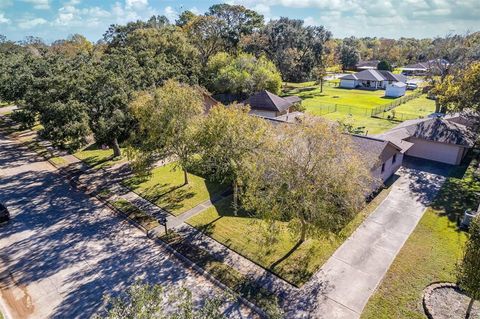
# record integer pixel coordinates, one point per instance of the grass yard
(419, 107)
(248, 236)
(338, 103)
(136, 214)
(312, 98)
(165, 188)
(431, 252)
(98, 158)
(58, 161)
(372, 125)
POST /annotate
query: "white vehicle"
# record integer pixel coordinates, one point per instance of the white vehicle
(411, 86)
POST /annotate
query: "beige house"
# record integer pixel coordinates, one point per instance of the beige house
(385, 156)
(438, 139)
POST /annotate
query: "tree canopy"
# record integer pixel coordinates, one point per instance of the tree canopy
(244, 74)
(320, 184)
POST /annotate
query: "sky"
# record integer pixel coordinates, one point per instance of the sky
(57, 19)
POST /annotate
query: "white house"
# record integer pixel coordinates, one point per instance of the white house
(371, 79)
(395, 89)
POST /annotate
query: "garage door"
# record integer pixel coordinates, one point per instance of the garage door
(440, 152)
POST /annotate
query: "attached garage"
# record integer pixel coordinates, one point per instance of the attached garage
(436, 139)
(439, 152)
(348, 84)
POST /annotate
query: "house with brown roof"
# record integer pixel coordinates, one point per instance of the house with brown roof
(438, 139)
(422, 68)
(385, 157)
(269, 105)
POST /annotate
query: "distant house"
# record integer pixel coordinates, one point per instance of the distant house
(367, 65)
(422, 68)
(269, 105)
(373, 80)
(385, 156)
(438, 139)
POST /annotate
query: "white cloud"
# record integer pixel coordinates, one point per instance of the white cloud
(388, 18)
(194, 10)
(262, 9)
(136, 4)
(31, 23)
(170, 13)
(3, 19)
(39, 4)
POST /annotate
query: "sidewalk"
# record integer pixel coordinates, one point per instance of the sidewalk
(342, 287)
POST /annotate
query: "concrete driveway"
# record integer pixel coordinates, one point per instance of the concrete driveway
(62, 251)
(342, 287)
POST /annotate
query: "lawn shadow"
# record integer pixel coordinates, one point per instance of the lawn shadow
(460, 192)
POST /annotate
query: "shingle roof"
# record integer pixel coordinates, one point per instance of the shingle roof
(374, 147)
(292, 99)
(433, 129)
(375, 75)
(265, 100)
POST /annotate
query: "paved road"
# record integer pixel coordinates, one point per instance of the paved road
(63, 251)
(342, 287)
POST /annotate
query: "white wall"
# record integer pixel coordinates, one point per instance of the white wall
(348, 84)
(439, 152)
(395, 91)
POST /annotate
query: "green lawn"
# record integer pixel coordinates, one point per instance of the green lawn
(58, 161)
(431, 252)
(97, 157)
(165, 188)
(338, 103)
(419, 107)
(372, 125)
(248, 236)
(331, 95)
(136, 214)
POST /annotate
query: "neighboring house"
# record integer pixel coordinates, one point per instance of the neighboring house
(367, 65)
(267, 104)
(437, 139)
(385, 156)
(422, 68)
(371, 79)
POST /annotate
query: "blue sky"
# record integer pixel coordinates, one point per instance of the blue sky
(55, 19)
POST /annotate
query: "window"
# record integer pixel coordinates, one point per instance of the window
(394, 159)
(383, 167)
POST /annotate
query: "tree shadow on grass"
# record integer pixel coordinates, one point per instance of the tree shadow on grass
(460, 192)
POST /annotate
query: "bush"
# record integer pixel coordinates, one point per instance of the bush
(24, 117)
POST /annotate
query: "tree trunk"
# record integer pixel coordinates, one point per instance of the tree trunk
(116, 148)
(321, 85)
(469, 309)
(437, 106)
(235, 198)
(303, 233)
(185, 177)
